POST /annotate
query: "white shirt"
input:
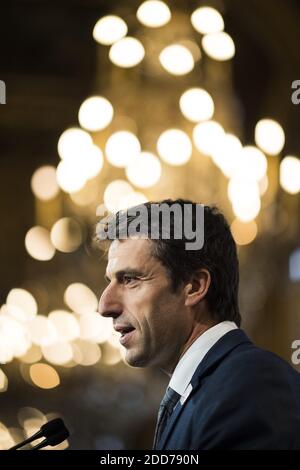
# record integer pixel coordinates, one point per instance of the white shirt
(184, 371)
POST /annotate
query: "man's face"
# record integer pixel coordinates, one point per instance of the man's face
(151, 318)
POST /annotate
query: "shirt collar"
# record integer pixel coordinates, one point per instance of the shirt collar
(189, 362)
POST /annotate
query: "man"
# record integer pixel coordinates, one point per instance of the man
(177, 309)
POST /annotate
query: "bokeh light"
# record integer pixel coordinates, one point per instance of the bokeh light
(6, 440)
(42, 331)
(86, 353)
(219, 46)
(132, 199)
(227, 156)
(269, 136)
(66, 235)
(153, 13)
(14, 338)
(263, 185)
(114, 194)
(14, 312)
(93, 161)
(44, 376)
(25, 303)
(196, 105)
(95, 113)
(121, 148)
(33, 354)
(242, 188)
(112, 355)
(80, 298)
(71, 173)
(109, 29)
(66, 325)
(144, 171)
(208, 136)
(27, 414)
(174, 147)
(74, 170)
(3, 381)
(38, 244)
(207, 20)
(73, 141)
(177, 59)
(245, 198)
(43, 183)
(32, 425)
(6, 348)
(246, 209)
(253, 164)
(86, 196)
(243, 233)
(290, 174)
(59, 353)
(126, 53)
(95, 328)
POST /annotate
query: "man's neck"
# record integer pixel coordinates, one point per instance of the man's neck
(197, 330)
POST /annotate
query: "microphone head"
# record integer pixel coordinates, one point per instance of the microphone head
(59, 437)
(53, 427)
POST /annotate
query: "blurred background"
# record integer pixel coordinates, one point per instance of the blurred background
(119, 103)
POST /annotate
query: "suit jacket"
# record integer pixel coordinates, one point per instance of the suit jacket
(242, 398)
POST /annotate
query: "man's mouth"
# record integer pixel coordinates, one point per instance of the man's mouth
(126, 333)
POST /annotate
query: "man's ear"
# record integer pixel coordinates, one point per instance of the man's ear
(197, 288)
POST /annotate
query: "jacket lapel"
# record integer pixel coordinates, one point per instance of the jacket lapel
(215, 355)
(218, 352)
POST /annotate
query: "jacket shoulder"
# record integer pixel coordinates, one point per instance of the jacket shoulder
(250, 400)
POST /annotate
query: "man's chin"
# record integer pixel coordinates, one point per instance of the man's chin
(135, 359)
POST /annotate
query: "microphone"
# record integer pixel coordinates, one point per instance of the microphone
(54, 431)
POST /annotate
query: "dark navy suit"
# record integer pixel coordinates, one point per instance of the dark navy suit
(242, 398)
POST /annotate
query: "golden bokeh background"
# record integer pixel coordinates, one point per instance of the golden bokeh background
(109, 105)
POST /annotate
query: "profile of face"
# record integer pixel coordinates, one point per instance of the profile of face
(153, 320)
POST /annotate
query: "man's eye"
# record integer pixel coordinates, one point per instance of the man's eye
(128, 279)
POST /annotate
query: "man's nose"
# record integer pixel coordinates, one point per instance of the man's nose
(109, 303)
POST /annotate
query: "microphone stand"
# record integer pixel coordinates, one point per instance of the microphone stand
(54, 431)
(27, 441)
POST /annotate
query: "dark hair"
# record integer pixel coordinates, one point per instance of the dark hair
(218, 255)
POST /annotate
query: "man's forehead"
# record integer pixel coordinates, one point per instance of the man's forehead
(135, 252)
(134, 245)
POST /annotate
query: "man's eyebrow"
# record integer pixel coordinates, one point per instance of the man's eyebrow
(125, 271)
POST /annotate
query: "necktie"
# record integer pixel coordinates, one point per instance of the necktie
(166, 408)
